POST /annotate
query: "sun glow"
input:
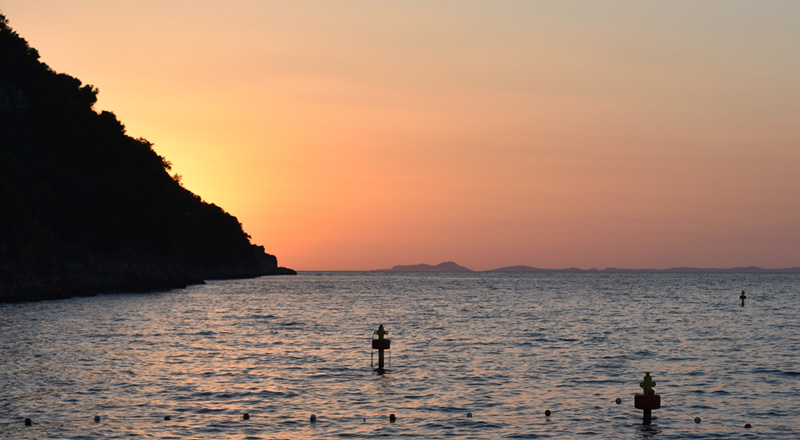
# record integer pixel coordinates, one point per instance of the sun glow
(360, 136)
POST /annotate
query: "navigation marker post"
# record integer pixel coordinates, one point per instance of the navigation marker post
(647, 401)
(380, 344)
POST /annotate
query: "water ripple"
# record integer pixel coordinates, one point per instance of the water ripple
(503, 347)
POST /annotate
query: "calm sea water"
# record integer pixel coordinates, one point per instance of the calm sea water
(503, 347)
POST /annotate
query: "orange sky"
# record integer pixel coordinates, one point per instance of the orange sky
(356, 135)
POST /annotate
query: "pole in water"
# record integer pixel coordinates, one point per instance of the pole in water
(742, 297)
(647, 401)
(380, 344)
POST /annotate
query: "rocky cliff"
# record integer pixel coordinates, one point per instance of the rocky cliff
(85, 208)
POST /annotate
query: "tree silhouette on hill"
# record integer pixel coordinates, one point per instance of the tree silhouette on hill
(85, 208)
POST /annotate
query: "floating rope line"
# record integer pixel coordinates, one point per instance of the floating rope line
(256, 419)
(371, 417)
(167, 418)
(720, 423)
(696, 419)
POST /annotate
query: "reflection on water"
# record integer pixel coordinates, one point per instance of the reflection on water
(504, 347)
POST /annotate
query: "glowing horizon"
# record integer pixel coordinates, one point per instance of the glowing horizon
(356, 135)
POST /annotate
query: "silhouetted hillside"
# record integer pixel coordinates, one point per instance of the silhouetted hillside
(84, 208)
(447, 266)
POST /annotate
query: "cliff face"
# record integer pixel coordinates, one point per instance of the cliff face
(84, 208)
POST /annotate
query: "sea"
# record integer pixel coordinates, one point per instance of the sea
(476, 355)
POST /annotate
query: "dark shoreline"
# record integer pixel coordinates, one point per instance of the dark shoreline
(44, 292)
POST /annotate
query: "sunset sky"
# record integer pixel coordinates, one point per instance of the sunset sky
(357, 135)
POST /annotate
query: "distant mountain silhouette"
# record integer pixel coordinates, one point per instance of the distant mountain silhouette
(453, 267)
(536, 269)
(750, 269)
(448, 266)
(85, 208)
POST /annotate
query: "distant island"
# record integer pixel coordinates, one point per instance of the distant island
(85, 208)
(448, 266)
(453, 267)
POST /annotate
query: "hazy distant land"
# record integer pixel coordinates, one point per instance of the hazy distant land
(448, 266)
(451, 266)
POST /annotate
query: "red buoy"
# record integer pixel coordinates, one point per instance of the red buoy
(652, 401)
(648, 400)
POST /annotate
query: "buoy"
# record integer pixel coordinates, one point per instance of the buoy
(469, 414)
(547, 413)
(392, 417)
(380, 344)
(246, 416)
(697, 420)
(28, 421)
(96, 419)
(313, 418)
(742, 297)
(647, 401)
(167, 418)
(747, 425)
(618, 400)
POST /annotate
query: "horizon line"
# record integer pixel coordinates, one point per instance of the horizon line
(424, 267)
